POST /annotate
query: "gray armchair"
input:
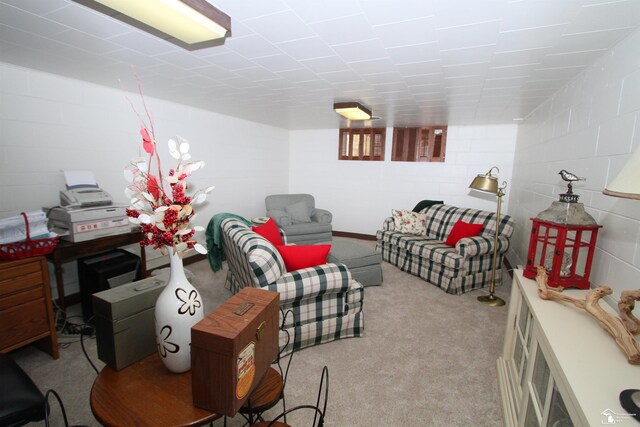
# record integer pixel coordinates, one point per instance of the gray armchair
(298, 218)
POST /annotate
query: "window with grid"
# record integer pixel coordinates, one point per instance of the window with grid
(362, 144)
(422, 144)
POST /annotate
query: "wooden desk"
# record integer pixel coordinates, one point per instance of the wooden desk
(68, 251)
(146, 394)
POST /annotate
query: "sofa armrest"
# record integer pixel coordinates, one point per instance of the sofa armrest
(310, 282)
(480, 245)
(389, 224)
(322, 216)
(281, 218)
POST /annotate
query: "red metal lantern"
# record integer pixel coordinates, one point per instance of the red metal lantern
(563, 240)
(565, 250)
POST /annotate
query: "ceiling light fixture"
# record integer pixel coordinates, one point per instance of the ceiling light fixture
(352, 110)
(190, 24)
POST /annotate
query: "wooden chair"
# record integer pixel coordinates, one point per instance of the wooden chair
(318, 414)
(270, 390)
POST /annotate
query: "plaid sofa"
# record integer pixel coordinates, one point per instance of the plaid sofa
(326, 302)
(456, 270)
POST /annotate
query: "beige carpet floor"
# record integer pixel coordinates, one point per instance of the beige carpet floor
(427, 358)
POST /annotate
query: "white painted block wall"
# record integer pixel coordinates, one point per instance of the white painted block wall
(589, 127)
(49, 123)
(361, 194)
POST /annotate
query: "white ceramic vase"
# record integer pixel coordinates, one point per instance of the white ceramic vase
(178, 308)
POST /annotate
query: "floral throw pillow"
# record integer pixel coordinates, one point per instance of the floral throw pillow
(409, 222)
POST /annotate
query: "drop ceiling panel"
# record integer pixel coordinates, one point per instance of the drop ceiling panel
(455, 61)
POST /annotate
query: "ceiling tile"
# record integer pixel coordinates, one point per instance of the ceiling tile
(37, 7)
(89, 21)
(605, 16)
(568, 59)
(309, 48)
(26, 21)
(533, 38)
(361, 51)
(271, 29)
(409, 32)
(144, 43)
(278, 63)
(479, 34)
(86, 42)
(326, 64)
(251, 47)
(347, 29)
(520, 15)
(384, 11)
(317, 11)
(415, 53)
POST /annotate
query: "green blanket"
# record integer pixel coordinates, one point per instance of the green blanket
(214, 238)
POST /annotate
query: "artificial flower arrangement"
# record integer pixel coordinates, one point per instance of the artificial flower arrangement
(159, 203)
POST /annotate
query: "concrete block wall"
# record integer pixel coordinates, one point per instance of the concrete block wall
(50, 123)
(589, 127)
(361, 194)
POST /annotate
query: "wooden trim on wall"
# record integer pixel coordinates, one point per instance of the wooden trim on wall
(354, 235)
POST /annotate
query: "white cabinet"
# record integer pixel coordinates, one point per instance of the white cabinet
(559, 367)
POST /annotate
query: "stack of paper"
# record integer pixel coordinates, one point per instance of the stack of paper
(13, 229)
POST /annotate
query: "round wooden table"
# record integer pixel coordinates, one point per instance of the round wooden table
(146, 394)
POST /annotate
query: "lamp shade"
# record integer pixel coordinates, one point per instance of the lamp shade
(190, 24)
(627, 183)
(486, 183)
(352, 110)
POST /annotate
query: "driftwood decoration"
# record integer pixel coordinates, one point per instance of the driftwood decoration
(621, 328)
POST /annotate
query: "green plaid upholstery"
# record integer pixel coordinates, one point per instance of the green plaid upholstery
(325, 300)
(456, 270)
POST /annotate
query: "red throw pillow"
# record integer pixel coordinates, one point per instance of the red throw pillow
(269, 230)
(461, 230)
(297, 257)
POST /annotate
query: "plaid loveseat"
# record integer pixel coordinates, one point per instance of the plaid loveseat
(325, 300)
(456, 270)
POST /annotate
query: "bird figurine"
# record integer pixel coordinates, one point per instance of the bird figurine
(569, 178)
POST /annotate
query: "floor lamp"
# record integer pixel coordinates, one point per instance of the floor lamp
(488, 183)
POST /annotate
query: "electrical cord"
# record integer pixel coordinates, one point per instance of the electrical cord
(84, 350)
(47, 407)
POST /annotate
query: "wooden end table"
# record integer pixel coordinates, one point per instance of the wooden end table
(146, 394)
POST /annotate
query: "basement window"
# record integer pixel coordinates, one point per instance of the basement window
(362, 144)
(422, 144)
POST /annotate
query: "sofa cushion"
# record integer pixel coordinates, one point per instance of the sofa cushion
(269, 230)
(297, 257)
(409, 222)
(422, 247)
(461, 230)
(300, 212)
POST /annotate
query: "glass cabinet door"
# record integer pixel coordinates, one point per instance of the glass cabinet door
(521, 351)
(558, 414)
(544, 403)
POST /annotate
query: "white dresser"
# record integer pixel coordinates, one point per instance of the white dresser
(559, 367)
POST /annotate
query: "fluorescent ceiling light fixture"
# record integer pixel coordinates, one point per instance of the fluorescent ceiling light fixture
(352, 110)
(190, 24)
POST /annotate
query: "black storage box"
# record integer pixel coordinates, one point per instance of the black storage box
(105, 271)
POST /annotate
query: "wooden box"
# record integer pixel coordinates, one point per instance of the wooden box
(232, 348)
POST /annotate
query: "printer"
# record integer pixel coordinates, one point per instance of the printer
(86, 212)
(81, 224)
